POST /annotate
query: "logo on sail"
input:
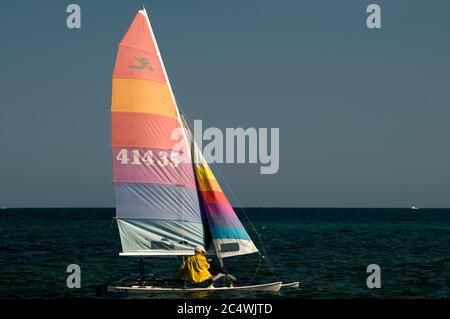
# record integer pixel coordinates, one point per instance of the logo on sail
(143, 64)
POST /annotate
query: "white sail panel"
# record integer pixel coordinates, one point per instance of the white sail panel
(159, 237)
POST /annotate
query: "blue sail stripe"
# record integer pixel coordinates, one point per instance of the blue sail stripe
(154, 201)
(229, 232)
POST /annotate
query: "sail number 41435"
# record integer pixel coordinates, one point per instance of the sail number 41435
(137, 157)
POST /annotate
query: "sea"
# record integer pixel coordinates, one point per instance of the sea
(328, 250)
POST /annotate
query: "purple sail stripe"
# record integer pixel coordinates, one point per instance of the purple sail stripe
(223, 220)
(219, 208)
(153, 201)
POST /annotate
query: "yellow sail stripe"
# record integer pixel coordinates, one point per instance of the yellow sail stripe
(142, 96)
(204, 172)
(205, 178)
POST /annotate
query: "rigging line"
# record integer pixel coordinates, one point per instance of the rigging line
(257, 269)
(265, 255)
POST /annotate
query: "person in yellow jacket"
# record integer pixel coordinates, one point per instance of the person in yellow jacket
(196, 268)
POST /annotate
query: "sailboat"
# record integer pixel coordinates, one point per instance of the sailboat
(168, 200)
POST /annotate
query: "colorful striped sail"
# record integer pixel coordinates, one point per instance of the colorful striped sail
(157, 205)
(229, 237)
(167, 199)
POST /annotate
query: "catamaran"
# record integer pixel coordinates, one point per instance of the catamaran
(168, 200)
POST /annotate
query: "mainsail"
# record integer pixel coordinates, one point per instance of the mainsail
(167, 198)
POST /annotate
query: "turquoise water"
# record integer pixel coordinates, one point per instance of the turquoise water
(327, 250)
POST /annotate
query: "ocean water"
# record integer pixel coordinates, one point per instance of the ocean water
(327, 250)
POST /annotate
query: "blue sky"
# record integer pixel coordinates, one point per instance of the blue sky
(363, 114)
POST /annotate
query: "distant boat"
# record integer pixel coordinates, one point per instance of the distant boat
(414, 207)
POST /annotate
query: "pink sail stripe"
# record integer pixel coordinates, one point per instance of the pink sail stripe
(152, 166)
(145, 130)
(218, 208)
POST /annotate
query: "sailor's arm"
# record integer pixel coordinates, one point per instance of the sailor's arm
(205, 262)
(181, 270)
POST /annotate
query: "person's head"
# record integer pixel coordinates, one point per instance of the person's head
(200, 250)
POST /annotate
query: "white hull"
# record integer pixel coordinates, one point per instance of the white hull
(294, 284)
(273, 287)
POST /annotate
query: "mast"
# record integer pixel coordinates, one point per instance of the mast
(158, 53)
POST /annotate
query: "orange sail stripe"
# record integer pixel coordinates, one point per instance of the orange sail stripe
(142, 96)
(213, 197)
(144, 130)
(206, 185)
(205, 178)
